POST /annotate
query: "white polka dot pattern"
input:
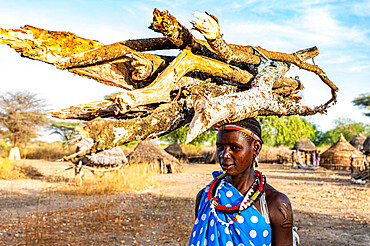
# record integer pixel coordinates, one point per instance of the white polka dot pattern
(204, 216)
(254, 219)
(213, 227)
(229, 193)
(241, 219)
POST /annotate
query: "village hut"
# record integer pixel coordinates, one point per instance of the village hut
(358, 141)
(338, 156)
(305, 145)
(210, 157)
(99, 162)
(103, 159)
(149, 152)
(176, 151)
(366, 146)
(301, 148)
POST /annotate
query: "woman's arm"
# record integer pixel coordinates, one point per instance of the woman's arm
(281, 217)
(197, 202)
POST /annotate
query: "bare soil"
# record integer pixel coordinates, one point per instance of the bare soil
(328, 209)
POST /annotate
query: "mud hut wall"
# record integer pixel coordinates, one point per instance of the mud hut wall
(340, 162)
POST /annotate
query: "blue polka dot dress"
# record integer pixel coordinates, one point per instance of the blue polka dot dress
(213, 227)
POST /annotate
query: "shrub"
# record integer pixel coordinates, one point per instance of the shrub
(46, 151)
(9, 170)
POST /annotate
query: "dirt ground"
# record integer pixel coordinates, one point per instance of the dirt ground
(328, 209)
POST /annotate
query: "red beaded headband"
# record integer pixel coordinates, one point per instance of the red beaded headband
(241, 129)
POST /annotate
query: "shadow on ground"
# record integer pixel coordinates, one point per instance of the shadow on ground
(149, 219)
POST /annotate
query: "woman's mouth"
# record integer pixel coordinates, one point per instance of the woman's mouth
(227, 166)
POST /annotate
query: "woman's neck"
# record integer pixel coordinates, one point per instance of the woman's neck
(243, 181)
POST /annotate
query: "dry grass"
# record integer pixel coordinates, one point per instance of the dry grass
(12, 170)
(133, 178)
(46, 151)
(9, 170)
(270, 154)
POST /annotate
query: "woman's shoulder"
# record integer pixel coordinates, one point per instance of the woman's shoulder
(275, 197)
(280, 209)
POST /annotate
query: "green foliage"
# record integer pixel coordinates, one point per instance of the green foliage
(363, 101)
(180, 136)
(21, 116)
(65, 129)
(347, 127)
(285, 130)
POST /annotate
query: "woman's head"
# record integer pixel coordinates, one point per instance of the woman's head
(238, 144)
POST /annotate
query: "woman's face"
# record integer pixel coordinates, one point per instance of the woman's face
(235, 152)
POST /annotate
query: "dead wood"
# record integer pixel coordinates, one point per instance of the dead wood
(208, 83)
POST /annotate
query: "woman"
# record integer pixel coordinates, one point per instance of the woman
(238, 207)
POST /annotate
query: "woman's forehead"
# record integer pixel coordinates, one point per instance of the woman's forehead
(230, 136)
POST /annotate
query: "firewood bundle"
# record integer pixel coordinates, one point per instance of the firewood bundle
(209, 83)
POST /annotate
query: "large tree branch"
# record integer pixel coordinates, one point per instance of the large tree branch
(239, 105)
(159, 90)
(206, 22)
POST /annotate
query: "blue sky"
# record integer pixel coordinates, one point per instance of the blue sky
(340, 29)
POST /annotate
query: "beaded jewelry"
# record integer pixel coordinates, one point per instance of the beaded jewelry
(249, 199)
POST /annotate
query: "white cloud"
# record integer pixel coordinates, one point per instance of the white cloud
(362, 8)
(359, 68)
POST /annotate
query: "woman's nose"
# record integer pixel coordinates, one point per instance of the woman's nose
(225, 154)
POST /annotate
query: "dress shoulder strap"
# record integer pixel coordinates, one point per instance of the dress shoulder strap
(264, 208)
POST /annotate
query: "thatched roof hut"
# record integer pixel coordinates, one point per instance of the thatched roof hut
(338, 156)
(102, 159)
(210, 157)
(366, 146)
(358, 141)
(176, 151)
(151, 153)
(304, 144)
(109, 157)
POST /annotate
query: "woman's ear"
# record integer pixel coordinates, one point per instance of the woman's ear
(257, 146)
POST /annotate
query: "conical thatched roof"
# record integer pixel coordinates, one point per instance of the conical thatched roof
(358, 141)
(175, 150)
(338, 156)
(113, 156)
(152, 153)
(304, 144)
(366, 146)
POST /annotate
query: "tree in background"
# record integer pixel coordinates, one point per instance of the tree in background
(179, 136)
(363, 101)
(345, 126)
(285, 130)
(21, 116)
(66, 130)
(275, 131)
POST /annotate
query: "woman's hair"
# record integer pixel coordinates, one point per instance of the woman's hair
(251, 124)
